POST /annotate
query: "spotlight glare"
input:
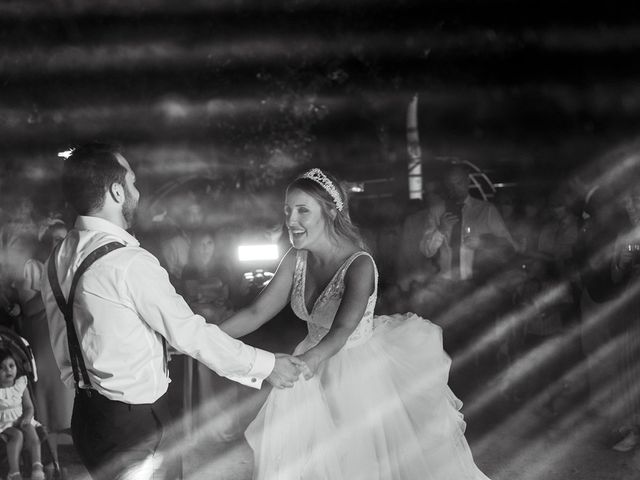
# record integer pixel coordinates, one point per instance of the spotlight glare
(66, 154)
(252, 253)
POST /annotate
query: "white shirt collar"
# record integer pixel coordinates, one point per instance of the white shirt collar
(86, 222)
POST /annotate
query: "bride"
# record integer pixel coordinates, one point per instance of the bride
(373, 402)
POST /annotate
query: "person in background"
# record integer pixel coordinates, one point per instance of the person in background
(49, 237)
(546, 305)
(458, 232)
(53, 400)
(205, 282)
(604, 279)
(628, 368)
(455, 226)
(411, 264)
(184, 216)
(17, 425)
(526, 231)
(558, 234)
(17, 231)
(205, 286)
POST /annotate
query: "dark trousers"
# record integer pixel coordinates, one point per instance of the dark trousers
(111, 437)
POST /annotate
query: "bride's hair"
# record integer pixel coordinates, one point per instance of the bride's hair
(340, 225)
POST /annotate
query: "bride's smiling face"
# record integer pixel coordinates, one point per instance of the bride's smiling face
(304, 218)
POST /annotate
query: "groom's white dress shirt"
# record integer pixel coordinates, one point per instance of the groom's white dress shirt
(124, 305)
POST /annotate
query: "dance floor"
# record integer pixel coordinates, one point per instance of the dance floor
(541, 449)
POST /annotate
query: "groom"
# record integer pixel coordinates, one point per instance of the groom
(110, 323)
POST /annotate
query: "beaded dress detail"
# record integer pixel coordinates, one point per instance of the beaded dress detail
(379, 409)
(324, 309)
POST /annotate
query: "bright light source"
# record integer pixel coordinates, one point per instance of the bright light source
(252, 253)
(66, 154)
(355, 187)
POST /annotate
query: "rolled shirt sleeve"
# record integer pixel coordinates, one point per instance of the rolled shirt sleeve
(261, 369)
(167, 313)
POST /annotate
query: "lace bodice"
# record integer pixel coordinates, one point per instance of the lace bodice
(323, 311)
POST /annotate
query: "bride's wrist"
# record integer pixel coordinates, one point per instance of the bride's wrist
(311, 358)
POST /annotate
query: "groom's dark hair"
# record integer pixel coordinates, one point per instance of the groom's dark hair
(88, 173)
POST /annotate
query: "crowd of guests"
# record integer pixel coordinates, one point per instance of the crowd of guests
(537, 293)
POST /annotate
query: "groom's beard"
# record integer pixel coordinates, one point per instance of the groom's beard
(129, 208)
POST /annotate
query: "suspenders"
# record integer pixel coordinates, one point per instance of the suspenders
(66, 307)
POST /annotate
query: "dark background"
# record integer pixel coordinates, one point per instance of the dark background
(262, 89)
(244, 93)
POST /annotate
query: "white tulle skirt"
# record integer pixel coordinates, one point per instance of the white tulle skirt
(381, 410)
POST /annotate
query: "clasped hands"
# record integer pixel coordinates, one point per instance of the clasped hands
(288, 368)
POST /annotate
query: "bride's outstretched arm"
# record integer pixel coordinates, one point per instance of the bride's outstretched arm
(270, 301)
(358, 287)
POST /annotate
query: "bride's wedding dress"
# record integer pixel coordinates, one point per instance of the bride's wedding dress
(380, 409)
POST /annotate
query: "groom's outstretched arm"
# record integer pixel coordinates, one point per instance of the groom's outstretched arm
(271, 300)
(165, 312)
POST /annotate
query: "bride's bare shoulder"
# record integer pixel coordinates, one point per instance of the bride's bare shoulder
(289, 259)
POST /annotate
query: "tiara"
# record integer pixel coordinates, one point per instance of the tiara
(321, 179)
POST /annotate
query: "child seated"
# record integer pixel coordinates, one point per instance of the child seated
(17, 425)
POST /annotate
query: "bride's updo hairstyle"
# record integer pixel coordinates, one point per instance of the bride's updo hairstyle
(334, 202)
